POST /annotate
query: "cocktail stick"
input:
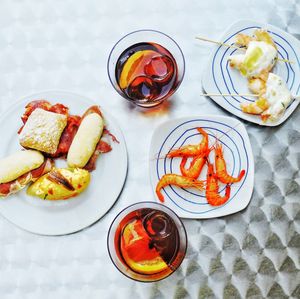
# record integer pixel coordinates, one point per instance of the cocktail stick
(229, 95)
(296, 97)
(218, 43)
(235, 47)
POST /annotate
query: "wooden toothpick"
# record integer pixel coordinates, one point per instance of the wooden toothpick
(217, 43)
(296, 97)
(229, 95)
(236, 47)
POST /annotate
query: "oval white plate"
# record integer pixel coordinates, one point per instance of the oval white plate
(191, 203)
(219, 77)
(64, 216)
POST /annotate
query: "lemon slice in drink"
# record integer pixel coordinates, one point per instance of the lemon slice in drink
(137, 251)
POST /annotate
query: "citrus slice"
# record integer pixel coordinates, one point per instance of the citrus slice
(137, 251)
(132, 66)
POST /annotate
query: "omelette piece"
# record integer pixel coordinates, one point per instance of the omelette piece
(60, 183)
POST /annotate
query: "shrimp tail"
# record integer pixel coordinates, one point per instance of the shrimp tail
(159, 195)
(225, 178)
(241, 175)
(158, 188)
(202, 132)
(199, 185)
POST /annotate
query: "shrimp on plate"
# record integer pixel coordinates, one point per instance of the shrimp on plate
(221, 168)
(212, 188)
(179, 181)
(191, 150)
(196, 165)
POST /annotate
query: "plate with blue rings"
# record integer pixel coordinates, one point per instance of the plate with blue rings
(220, 78)
(227, 131)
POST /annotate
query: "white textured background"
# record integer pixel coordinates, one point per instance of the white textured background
(61, 44)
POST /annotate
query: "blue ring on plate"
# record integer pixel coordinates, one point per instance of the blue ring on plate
(246, 168)
(288, 56)
(246, 28)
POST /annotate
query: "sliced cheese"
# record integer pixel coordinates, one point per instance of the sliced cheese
(18, 164)
(85, 141)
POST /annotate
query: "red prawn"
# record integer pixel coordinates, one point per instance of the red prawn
(221, 169)
(196, 165)
(191, 150)
(212, 188)
(177, 180)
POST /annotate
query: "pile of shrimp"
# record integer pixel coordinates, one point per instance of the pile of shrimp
(189, 176)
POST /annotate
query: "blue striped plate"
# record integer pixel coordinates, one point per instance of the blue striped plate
(219, 77)
(191, 203)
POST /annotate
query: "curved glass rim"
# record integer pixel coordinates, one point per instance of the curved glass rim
(158, 204)
(136, 31)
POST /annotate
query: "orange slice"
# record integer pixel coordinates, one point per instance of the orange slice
(136, 252)
(134, 66)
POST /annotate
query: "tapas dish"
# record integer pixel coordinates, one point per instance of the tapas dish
(46, 131)
(202, 167)
(255, 73)
(64, 149)
(20, 169)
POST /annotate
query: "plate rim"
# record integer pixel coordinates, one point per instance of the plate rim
(20, 101)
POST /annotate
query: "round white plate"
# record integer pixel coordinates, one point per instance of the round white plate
(64, 216)
(231, 133)
(219, 77)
